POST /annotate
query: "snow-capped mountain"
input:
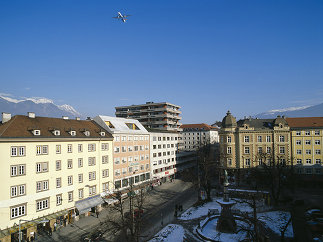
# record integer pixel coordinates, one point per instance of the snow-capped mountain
(39, 105)
(304, 111)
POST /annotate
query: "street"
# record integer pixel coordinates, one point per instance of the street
(159, 211)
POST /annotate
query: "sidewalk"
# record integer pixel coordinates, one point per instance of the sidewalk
(73, 232)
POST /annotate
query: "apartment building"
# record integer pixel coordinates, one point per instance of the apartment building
(163, 116)
(250, 142)
(307, 144)
(131, 150)
(163, 149)
(52, 169)
(196, 135)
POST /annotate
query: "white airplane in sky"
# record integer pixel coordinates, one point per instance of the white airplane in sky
(122, 17)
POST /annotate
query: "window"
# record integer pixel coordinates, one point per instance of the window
(92, 190)
(59, 199)
(136, 148)
(298, 133)
(105, 187)
(117, 160)
(18, 211)
(70, 196)
(308, 171)
(259, 150)
(104, 146)
(117, 138)
(308, 152)
(318, 161)
(246, 139)
(92, 175)
(130, 148)
(281, 150)
(19, 190)
(105, 159)
(229, 150)
(123, 138)
(91, 161)
(41, 167)
(317, 152)
(308, 161)
(247, 162)
(70, 180)
(268, 139)
(57, 132)
(80, 176)
(317, 170)
(124, 159)
(69, 148)
(69, 164)
(72, 132)
(116, 149)
(259, 138)
(18, 170)
(58, 149)
(105, 173)
(307, 142)
(81, 193)
(246, 150)
(299, 161)
(229, 161)
(298, 142)
(117, 172)
(80, 148)
(130, 138)
(299, 152)
(91, 147)
(317, 142)
(80, 162)
(42, 149)
(124, 170)
(268, 150)
(124, 149)
(307, 133)
(281, 138)
(317, 132)
(42, 186)
(58, 182)
(36, 132)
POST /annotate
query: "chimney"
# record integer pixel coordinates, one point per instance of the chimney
(64, 117)
(6, 117)
(31, 115)
(77, 118)
(88, 118)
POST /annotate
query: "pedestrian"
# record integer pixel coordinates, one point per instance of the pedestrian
(97, 213)
(55, 225)
(32, 238)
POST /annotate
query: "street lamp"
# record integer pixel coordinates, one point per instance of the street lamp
(25, 220)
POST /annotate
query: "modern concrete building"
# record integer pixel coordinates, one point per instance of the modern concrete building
(250, 142)
(52, 169)
(131, 153)
(164, 115)
(307, 144)
(163, 149)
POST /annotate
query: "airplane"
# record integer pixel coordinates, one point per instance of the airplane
(122, 17)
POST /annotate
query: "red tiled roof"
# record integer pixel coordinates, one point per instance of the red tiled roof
(314, 122)
(21, 126)
(198, 126)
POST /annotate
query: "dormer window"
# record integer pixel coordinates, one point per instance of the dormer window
(36, 132)
(57, 132)
(72, 132)
(102, 133)
(86, 133)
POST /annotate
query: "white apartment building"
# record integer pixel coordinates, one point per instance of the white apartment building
(163, 149)
(51, 168)
(163, 115)
(131, 153)
(196, 135)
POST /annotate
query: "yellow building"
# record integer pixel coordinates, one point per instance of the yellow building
(52, 169)
(251, 142)
(307, 141)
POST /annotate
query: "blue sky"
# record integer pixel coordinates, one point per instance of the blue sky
(207, 56)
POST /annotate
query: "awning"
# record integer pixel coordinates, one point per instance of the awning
(85, 205)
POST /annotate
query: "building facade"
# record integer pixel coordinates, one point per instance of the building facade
(163, 116)
(163, 149)
(131, 150)
(307, 144)
(54, 169)
(250, 142)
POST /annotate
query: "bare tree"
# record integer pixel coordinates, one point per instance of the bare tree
(129, 209)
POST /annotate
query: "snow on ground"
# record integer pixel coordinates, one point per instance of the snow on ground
(276, 220)
(197, 212)
(172, 232)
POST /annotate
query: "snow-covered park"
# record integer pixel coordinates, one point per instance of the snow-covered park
(274, 220)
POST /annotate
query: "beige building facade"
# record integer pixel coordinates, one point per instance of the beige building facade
(52, 169)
